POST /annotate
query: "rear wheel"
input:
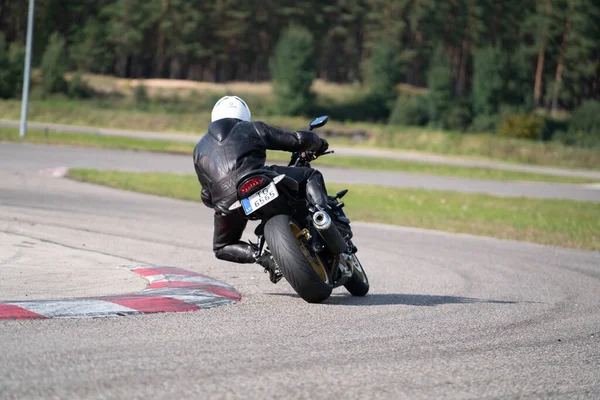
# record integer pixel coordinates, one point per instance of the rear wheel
(358, 284)
(305, 271)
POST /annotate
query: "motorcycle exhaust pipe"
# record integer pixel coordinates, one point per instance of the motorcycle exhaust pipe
(329, 232)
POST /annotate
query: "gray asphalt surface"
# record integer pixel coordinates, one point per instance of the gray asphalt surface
(33, 269)
(448, 316)
(41, 156)
(346, 151)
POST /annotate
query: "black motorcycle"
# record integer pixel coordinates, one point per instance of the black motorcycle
(312, 247)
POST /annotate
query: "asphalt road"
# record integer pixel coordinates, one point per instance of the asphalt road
(448, 316)
(42, 156)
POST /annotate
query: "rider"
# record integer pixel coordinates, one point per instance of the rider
(233, 146)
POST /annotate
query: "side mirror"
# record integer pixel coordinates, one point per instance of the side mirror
(318, 122)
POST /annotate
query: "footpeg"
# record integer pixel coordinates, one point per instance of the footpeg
(270, 265)
(274, 276)
(345, 270)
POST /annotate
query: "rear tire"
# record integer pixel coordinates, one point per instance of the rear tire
(304, 270)
(358, 284)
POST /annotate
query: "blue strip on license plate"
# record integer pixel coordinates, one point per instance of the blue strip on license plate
(247, 206)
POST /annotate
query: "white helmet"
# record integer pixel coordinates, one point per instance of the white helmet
(231, 107)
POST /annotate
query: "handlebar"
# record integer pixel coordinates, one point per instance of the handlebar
(304, 158)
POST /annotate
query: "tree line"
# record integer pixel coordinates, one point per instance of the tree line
(552, 46)
(488, 66)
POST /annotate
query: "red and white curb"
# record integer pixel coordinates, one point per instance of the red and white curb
(171, 290)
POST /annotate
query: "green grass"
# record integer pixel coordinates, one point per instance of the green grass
(119, 113)
(99, 141)
(369, 163)
(112, 113)
(488, 146)
(561, 223)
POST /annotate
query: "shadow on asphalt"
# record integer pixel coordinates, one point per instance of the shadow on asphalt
(377, 299)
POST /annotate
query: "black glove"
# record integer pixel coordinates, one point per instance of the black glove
(324, 146)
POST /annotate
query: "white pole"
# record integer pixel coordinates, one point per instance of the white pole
(27, 71)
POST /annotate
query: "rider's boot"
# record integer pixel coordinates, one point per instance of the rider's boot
(317, 196)
(268, 263)
(240, 252)
(316, 192)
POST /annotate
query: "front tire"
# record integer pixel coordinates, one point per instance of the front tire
(358, 284)
(304, 270)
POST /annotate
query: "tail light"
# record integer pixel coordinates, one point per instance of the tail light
(251, 184)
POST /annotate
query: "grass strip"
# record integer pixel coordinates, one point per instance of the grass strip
(97, 141)
(114, 113)
(562, 223)
(368, 163)
(384, 164)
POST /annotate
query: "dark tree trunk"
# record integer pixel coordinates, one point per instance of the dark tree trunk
(121, 66)
(539, 72)
(559, 68)
(461, 85)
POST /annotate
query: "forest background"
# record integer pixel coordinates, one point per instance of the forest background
(522, 68)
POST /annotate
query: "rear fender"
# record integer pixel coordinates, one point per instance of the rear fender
(279, 180)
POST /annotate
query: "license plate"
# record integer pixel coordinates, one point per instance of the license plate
(260, 198)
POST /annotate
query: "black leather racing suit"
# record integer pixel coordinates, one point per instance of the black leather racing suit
(230, 149)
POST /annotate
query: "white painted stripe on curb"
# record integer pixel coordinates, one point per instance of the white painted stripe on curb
(184, 278)
(76, 308)
(172, 292)
(197, 297)
(200, 301)
(137, 266)
(155, 278)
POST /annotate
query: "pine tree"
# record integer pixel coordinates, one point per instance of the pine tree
(488, 81)
(90, 51)
(293, 69)
(440, 87)
(543, 32)
(16, 58)
(54, 65)
(500, 81)
(9, 71)
(385, 71)
(581, 52)
(129, 25)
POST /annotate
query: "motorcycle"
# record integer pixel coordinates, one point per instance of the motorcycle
(311, 247)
